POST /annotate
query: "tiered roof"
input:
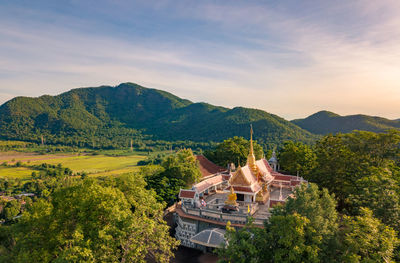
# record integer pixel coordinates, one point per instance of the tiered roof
(251, 177)
(265, 170)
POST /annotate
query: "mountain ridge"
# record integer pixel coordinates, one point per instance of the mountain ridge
(105, 114)
(110, 116)
(324, 122)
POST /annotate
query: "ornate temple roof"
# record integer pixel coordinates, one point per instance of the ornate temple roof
(243, 177)
(265, 172)
(250, 177)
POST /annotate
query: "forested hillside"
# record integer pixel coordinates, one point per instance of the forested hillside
(111, 116)
(325, 122)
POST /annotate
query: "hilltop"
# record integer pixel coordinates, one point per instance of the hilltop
(325, 122)
(109, 116)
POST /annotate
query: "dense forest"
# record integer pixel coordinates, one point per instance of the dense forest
(73, 218)
(110, 117)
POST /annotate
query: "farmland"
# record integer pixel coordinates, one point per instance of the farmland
(93, 165)
(16, 172)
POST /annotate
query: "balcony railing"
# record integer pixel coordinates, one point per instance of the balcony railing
(239, 217)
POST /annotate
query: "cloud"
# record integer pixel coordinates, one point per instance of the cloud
(291, 60)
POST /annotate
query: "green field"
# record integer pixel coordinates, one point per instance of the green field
(93, 165)
(15, 172)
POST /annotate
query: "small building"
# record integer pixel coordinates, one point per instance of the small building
(209, 238)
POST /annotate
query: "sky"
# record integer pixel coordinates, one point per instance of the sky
(291, 58)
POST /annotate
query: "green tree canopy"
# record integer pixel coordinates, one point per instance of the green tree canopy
(177, 171)
(297, 157)
(243, 245)
(359, 168)
(378, 190)
(117, 221)
(182, 165)
(365, 239)
(233, 150)
(308, 229)
(316, 209)
(303, 230)
(11, 209)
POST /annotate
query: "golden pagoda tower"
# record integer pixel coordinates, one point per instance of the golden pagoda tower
(251, 159)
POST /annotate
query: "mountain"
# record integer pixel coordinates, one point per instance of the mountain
(325, 122)
(111, 116)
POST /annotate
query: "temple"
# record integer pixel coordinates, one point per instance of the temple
(230, 195)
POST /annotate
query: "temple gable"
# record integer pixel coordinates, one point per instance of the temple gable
(243, 177)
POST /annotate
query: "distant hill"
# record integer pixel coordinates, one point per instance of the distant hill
(111, 116)
(325, 122)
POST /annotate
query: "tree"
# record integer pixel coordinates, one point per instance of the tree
(345, 159)
(118, 221)
(233, 150)
(365, 239)
(243, 245)
(286, 240)
(303, 230)
(297, 157)
(176, 171)
(319, 208)
(183, 165)
(377, 190)
(11, 209)
(337, 166)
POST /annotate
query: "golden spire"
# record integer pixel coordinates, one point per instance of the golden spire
(251, 159)
(251, 140)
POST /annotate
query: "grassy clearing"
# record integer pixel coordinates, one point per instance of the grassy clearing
(96, 164)
(93, 165)
(16, 172)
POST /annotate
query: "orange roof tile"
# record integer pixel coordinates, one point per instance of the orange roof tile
(187, 193)
(207, 167)
(207, 183)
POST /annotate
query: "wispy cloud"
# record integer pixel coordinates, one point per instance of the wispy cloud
(288, 59)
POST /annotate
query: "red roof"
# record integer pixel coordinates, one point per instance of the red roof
(187, 194)
(207, 167)
(268, 166)
(282, 177)
(207, 183)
